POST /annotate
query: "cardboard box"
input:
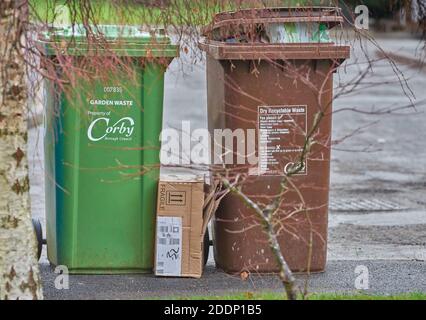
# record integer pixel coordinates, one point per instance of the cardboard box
(179, 234)
(184, 208)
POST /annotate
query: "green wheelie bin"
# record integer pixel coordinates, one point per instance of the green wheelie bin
(102, 146)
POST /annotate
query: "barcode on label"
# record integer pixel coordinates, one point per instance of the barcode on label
(164, 229)
(166, 241)
(174, 242)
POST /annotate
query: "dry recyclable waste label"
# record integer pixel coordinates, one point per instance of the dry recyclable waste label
(282, 132)
(169, 250)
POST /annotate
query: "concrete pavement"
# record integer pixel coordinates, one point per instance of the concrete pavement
(386, 278)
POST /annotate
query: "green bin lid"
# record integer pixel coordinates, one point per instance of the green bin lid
(107, 39)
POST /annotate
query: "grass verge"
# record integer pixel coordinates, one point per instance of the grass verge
(319, 296)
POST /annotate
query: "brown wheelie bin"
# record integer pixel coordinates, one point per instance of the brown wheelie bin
(280, 90)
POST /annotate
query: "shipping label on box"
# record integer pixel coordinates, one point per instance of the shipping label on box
(169, 246)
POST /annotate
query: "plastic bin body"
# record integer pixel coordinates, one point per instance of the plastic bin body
(242, 79)
(100, 208)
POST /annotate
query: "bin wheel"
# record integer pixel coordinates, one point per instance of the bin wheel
(39, 236)
(206, 247)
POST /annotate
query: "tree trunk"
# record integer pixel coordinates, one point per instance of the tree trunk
(19, 274)
(286, 276)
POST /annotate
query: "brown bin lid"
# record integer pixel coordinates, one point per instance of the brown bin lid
(332, 16)
(274, 51)
(255, 51)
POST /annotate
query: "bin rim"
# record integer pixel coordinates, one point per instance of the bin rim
(332, 16)
(109, 32)
(73, 40)
(277, 51)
